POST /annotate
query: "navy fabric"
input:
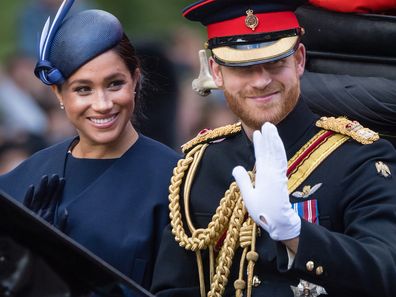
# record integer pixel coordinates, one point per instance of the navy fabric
(120, 215)
(77, 40)
(82, 37)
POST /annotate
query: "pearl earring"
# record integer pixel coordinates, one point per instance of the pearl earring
(62, 106)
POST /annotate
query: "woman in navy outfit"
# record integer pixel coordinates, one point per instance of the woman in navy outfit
(107, 187)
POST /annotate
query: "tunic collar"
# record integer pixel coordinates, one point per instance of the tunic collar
(297, 123)
(294, 130)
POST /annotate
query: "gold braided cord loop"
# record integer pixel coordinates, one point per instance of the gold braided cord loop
(252, 258)
(201, 238)
(228, 216)
(226, 255)
(347, 127)
(211, 135)
(245, 241)
(245, 237)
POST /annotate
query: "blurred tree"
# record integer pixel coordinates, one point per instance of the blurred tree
(8, 12)
(141, 18)
(153, 17)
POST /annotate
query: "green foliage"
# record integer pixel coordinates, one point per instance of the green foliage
(148, 17)
(141, 18)
(8, 19)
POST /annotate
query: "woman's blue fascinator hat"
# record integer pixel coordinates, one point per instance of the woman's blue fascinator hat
(67, 44)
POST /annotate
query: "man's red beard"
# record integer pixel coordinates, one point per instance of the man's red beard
(275, 112)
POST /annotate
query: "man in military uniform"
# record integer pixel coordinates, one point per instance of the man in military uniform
(316, 214)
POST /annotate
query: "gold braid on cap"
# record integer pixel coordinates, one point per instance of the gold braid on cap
(347, 127)
(230, 218)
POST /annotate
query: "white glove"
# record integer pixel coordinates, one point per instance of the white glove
(268, 201)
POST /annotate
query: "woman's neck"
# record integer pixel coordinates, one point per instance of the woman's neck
(112, 150)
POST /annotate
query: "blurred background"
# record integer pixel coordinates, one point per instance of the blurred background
(30, 117)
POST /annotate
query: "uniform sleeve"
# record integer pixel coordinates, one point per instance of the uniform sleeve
(362, 259)
(175, 272)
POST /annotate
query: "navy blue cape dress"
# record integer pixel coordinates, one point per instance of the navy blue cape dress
(117, 207)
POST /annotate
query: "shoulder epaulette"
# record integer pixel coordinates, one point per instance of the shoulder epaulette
(347, 127)
(207, 135)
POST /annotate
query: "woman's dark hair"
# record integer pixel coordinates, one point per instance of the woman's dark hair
(127, 53)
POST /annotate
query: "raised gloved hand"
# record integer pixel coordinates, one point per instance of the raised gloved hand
(45, 199)
(268, 200)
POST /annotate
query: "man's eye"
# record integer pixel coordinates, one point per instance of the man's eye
(277, 63)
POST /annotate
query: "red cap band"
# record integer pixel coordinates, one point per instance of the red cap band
(267, 22)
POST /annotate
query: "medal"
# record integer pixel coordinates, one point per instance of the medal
(307, 289)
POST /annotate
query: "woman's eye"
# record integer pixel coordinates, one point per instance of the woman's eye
(116, 85)
(83, 90)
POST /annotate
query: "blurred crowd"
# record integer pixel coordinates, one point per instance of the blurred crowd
(30, 115)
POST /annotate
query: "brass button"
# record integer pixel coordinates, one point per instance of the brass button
(258, 232)
(310, 265)
(319, 270)
(256, 281)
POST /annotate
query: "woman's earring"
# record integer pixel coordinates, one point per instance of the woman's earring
(61, 105)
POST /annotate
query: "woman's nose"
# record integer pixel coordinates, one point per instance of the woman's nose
(102, 102)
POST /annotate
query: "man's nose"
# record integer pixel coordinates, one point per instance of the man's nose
(260, 76)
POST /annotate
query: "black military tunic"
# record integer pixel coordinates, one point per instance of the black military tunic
(351, 252)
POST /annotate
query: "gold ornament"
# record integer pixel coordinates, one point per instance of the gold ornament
(383, 169)
(251, 21)
(347, 127)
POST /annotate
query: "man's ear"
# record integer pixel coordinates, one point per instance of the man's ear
(215, 69)
(300, 56)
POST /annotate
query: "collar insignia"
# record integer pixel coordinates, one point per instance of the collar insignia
(307, 191)
(383, 169)
(251, 21)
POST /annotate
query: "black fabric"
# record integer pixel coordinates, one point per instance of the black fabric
(369, 100)
(343, 65)
(355, 34)
(351, 67)
(23, 274)
(354, 44)
(42, 259)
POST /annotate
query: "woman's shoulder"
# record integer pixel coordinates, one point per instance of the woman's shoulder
(46, 155)
(157, 148)
(52, 150)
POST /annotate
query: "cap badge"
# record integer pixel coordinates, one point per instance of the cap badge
(382, 169)
(251, 21)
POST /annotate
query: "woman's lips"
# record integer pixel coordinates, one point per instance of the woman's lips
(103, 122)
